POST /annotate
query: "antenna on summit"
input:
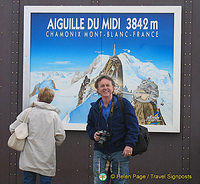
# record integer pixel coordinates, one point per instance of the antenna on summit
(114, 52)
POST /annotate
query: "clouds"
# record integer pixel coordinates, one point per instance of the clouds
(126, 50)
(67, 66)
(56, 66)
(60, 63)
(99, 52)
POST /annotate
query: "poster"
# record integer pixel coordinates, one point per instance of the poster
(67, 48)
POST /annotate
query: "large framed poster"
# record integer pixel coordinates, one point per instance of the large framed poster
(67, 48)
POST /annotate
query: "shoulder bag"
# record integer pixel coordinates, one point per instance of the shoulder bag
(143, 136)
(17, 140)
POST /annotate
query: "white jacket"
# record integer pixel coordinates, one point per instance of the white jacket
(45, 130)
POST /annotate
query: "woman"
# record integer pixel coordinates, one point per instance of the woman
(45, 131)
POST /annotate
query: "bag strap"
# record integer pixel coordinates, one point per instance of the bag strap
(121, 107)
(121, 104)
(26, 116)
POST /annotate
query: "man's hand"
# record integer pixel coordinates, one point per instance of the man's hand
(97, 136)
(127, 151)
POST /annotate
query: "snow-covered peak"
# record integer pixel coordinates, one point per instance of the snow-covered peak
(94, 68)
(76, 77)
(135, 69)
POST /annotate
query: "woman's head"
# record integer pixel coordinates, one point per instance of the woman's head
(46, 95)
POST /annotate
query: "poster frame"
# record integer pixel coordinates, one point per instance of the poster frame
(176, 10)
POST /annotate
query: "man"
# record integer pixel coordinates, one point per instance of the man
(112, 150)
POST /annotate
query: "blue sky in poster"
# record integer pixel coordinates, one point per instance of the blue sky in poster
(62, 53)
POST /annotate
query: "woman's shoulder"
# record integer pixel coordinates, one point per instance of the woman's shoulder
(46, 106)
(24, 112)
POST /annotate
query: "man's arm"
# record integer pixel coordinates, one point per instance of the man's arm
(131, 123)
(90, 126)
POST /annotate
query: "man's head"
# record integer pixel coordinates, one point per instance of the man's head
(105, 85)
(104, 77)
(46, 95)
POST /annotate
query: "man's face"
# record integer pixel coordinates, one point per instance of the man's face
(105, 88)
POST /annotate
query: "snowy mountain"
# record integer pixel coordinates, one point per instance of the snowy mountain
(135, 71)
(68, 85)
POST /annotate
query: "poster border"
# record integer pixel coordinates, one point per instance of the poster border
(176, 10)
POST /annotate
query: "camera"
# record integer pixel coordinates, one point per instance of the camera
(104, 136)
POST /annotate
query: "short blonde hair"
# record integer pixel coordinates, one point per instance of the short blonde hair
(46, 95)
